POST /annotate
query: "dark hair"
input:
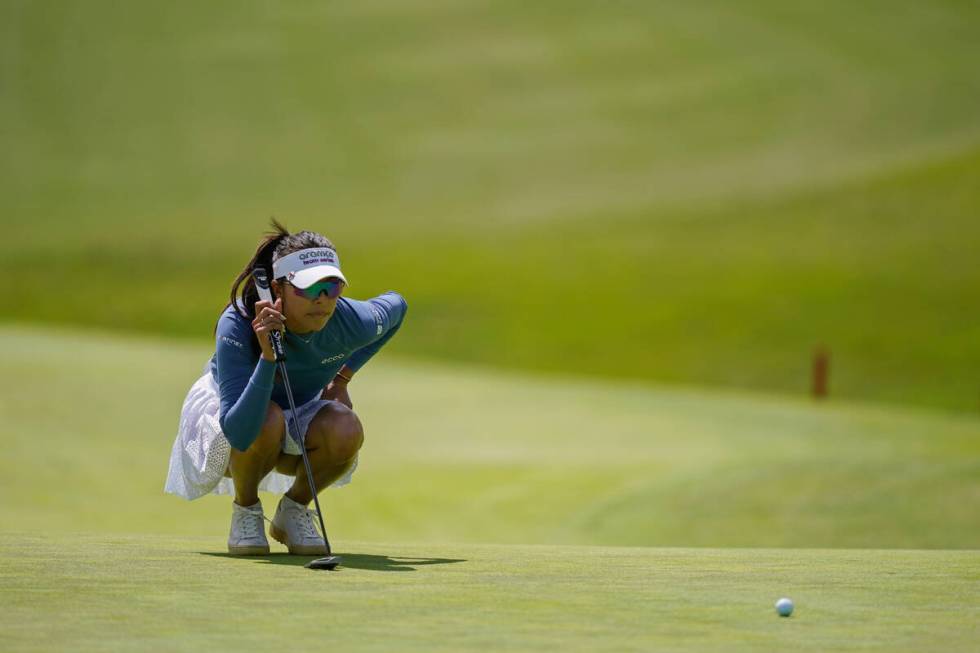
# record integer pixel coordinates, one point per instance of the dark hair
(274, 245)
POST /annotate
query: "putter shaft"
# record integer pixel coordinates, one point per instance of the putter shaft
(302, 449)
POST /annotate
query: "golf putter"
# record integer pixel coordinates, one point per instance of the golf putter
(275, 337)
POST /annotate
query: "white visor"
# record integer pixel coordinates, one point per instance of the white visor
(307, 266)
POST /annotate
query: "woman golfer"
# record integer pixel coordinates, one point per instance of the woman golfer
(235, 433)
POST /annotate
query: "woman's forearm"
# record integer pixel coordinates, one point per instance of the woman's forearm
(242, 421)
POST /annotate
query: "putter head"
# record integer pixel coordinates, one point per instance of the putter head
(330, 562)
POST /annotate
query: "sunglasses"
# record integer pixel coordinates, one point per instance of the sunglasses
(330, 286)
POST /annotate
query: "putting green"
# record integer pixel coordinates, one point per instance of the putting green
(164, 593)
(93, 555)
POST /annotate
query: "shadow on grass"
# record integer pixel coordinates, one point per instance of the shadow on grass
(348, 560)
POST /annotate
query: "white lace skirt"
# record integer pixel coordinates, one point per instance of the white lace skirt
(201, 452)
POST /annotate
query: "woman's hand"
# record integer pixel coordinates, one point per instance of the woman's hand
(337, 391)
(268, 318)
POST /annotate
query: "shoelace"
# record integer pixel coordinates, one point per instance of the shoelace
(309, 530)
(246, 524)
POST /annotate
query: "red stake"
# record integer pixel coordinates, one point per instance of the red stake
(821, 371)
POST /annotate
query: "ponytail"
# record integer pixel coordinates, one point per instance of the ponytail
(276, 243)
(244, 284)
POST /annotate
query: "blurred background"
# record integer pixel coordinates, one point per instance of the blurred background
(623, 229)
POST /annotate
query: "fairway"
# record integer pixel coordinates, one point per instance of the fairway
(709, 189)
(165, 593)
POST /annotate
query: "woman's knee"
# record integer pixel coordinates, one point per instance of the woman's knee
(339, 429)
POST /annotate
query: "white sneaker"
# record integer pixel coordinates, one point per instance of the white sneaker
(293, 526)
(247, 537)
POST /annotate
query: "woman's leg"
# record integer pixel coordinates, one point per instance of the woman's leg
(333, 439)
(248, 468)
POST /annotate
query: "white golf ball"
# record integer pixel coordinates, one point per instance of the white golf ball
(784, 607)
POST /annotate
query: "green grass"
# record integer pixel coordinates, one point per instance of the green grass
(164, 593)
(458, 532)
(459, 455)
(674, 192)
(656, 197)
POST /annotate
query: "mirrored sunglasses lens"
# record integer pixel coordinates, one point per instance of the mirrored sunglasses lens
(332, 288)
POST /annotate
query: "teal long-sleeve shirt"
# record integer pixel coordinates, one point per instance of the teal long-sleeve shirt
(247, 382)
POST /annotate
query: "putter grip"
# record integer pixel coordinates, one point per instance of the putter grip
(265, 294)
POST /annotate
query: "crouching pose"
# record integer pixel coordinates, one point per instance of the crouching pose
(236, 430)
